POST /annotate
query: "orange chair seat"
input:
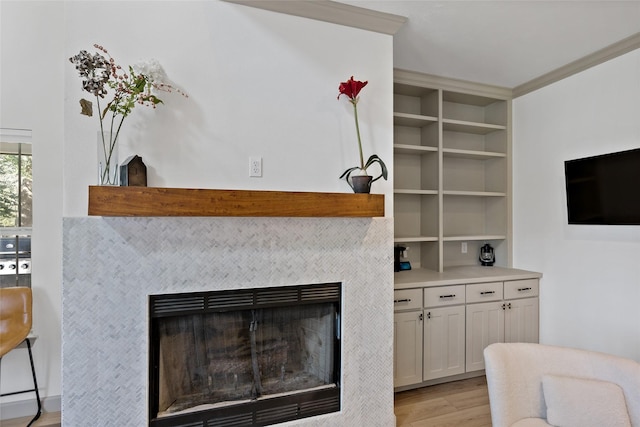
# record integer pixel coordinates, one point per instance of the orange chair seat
(15, 317)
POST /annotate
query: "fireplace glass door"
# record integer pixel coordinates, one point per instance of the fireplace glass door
(218, 354)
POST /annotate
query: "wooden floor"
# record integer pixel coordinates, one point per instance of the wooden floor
(458, 404)
(48, 419)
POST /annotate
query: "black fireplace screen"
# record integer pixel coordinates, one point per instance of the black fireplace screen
(251, 357)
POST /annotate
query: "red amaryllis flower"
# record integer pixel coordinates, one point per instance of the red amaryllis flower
(351, 88)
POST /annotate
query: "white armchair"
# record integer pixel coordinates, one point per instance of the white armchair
(539, 385)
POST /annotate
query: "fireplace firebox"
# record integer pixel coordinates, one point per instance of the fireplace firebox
(246, 357)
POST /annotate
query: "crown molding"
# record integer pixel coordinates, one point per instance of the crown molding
(455, 85)
(332, 11)
(603, 55)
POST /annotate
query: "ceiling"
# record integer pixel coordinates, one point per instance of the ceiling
(503, 42)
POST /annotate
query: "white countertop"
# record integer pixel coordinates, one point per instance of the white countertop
(420, 278)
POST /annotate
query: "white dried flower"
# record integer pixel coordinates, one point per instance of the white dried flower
(152, 70)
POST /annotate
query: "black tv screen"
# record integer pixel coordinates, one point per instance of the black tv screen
(604, 189)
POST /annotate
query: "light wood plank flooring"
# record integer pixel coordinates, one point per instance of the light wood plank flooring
(47, 419)
(462, 403)
(458, 404)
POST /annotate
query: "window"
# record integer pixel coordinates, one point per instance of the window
(15, 184)
(16, 213)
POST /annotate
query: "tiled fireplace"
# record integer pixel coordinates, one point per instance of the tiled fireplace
(113, 265)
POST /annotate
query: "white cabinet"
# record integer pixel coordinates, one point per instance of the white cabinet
(485, 321)
(443, 342)
(521, 321)
(504, 320)
(444, 331)
(441, 332)
(407, 337)
(444, 295)
(451, 170)
(407, 348)
(521, 311)
(485, 325)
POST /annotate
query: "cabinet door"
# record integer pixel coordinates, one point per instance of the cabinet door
(521, 320)
(443, 342)
(485, 325)
(407, 348)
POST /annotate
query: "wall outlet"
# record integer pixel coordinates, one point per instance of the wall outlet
(255, 167)
(464, 247)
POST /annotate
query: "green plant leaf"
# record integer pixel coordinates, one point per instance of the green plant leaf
(348, 172)
(383, 168)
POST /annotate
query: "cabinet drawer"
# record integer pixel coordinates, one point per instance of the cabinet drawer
(407, 299)
(444, 295)
(481, 292)
(521, 288)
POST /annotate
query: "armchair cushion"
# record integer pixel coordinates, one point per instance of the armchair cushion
(579, 402)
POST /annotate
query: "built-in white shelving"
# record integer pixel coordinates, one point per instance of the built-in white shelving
(451, 170)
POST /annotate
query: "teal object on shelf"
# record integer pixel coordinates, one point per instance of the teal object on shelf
(405, 265)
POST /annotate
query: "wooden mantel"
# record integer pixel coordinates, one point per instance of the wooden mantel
(156, 201)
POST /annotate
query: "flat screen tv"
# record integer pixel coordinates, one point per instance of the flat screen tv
(604, 189)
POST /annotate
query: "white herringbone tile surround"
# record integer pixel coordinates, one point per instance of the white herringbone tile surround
(112, 265)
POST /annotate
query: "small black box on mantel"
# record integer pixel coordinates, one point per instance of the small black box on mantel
(133, 172)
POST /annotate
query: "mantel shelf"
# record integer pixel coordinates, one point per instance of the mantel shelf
(156, 201)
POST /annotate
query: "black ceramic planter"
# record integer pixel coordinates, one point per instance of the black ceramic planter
(361, 183)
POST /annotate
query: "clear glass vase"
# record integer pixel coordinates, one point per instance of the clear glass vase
(108, 170)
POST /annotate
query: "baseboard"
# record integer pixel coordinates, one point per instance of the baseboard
(442, 380)
(28, 407)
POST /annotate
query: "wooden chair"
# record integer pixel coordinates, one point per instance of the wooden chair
(15, 325)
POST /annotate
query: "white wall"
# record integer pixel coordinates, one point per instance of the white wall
(259, 84)
(31, 84)
(590, 292)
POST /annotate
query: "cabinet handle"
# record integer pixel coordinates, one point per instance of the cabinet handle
(504, 306)
(523, 289)
(448, 296)
(420, 317)
(402, 300)
(487, 292)
(428, 315)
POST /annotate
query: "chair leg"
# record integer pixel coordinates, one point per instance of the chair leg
(35, 385)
